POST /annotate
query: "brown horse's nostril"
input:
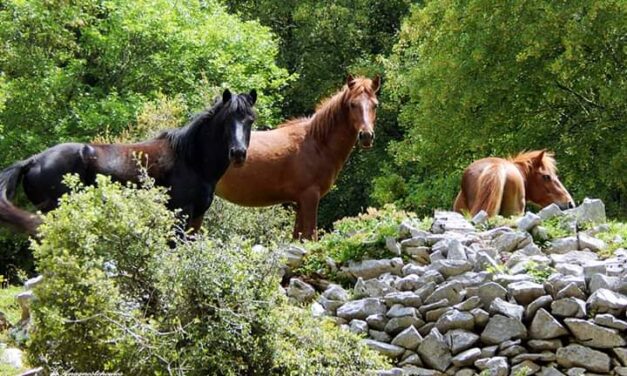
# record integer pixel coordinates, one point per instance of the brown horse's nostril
(571, 205)
(365, 136)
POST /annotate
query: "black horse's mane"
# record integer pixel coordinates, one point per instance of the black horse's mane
(184, 140)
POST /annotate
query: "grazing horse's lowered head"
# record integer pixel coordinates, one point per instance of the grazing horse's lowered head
(542, 186)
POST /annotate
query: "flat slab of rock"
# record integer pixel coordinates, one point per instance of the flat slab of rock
(373, 268)
(467, 357)
(610, 321)
(593, 335)
(501, 328)
(575, 355)
(604, 300)
(391, 351)
(525, 292)
(360, 309)
(513, 311)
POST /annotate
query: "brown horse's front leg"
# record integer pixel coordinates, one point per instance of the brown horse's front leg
(307, 216)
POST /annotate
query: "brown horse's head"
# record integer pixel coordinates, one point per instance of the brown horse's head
(361, 97)
(542, 185)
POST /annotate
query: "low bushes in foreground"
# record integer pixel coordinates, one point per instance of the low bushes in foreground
(118, 296)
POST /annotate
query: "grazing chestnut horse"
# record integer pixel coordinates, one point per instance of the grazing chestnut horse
(189, 161)
(300, 160)
(503, 186)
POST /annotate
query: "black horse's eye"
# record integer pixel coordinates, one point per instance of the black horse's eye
(546, 177)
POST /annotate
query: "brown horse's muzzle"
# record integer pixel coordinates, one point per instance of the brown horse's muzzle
(366, 139)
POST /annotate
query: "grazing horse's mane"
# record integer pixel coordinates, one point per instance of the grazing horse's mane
(526, 160)
(328, 111)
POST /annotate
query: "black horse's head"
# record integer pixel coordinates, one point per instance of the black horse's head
(236, 115)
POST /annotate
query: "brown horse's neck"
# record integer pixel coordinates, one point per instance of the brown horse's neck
(331, 129)
(523, 168)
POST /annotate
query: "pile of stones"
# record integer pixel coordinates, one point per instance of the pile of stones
(459, 300)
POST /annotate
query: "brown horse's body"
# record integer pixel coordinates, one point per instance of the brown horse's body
(503, 186)
(299, 161)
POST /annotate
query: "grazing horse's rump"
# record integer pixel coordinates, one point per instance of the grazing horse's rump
(503, 186)
(188, 160)
(300, 160)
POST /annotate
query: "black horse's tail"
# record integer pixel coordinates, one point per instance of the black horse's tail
(10, 214)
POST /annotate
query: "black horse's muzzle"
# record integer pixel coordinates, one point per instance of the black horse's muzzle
(237, 156)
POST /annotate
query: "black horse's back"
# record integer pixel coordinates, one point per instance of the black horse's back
(43, 183)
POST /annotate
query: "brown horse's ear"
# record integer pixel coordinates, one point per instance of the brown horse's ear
(350, 80)
(376, 84)
(538, 160)
(226, 96)
(253, 97)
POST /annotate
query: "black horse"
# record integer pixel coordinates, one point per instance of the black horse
(189, 161)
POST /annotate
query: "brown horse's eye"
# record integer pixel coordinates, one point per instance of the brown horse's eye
(546, 177)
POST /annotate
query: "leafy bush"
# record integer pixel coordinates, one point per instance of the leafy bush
(121, 293)
(309, 346)
(267, 225)
(615, 238)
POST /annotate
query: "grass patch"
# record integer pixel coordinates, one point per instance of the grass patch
(8, 303)
(356, 238)
(615, 238)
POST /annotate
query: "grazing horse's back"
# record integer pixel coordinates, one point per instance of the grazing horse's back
(503, 186)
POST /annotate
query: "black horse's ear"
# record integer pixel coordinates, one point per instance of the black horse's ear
(253, 97)
(350, 80)
(226, 96)
(376, 84)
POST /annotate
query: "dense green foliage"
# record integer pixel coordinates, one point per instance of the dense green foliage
(476, 78)
(121, 294)
(70, 71)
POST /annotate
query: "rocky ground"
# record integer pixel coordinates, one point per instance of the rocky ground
(463, 300)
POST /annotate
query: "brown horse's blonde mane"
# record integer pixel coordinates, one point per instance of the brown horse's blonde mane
(329, 111)
(526, 160)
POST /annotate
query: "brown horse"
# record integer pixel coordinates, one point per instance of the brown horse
(300, 160)
(503, 186)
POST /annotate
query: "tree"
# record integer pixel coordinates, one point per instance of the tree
(476, 78)
(70, 71)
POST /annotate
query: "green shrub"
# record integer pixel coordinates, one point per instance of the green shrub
(121, 293)
(266, 225)
(311, 346)
(98, 252)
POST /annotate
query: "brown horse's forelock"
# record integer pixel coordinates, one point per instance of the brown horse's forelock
(526, 160)
(331, 110)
